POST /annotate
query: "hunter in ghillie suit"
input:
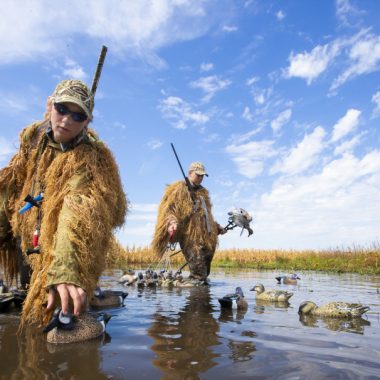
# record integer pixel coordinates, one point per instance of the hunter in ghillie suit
(73, 180)
(188, 222)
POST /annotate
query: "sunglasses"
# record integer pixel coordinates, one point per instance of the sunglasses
(63, 110)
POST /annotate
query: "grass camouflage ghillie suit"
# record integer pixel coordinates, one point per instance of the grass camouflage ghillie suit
(83, 201)
(197, 232)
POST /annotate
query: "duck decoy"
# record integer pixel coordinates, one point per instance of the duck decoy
(290, 280)
(69, 329)
(234, 301)
(333, 309)
(128, 278)
(6, 300)
(107, 298)
(271, 295)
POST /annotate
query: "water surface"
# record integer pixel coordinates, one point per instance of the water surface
(183, 334)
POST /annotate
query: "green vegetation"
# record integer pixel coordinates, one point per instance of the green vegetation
(363, 260)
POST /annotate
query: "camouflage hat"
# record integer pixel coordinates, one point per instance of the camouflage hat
(75, 91)
(198, 168)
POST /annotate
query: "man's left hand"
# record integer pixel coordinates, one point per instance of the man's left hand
(67, 291)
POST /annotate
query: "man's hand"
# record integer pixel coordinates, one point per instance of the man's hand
(221, 230)
(172, 229)
(67, 291)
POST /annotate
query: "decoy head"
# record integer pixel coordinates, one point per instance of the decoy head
(239, 292)
(259, 288)
(295, 277)
(306, 307)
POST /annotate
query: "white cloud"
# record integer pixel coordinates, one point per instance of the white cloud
(73, 70)
(280, 15)
(6, 149)
(210, 85)
(247, 115)
(348, 146)
(376, 99)
(181, 113)
(249, 157)
(154, 144)
(338, 206)
(281, 120)
(364, 58)
(346, 124)
(345, 12)
(310, 65)
(251, 81)
(304, 155)
(38, 29)
(229, 29)
(207, 66)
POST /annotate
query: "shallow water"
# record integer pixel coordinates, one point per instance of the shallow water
(182, 334)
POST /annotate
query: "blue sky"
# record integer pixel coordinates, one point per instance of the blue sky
(279, 99)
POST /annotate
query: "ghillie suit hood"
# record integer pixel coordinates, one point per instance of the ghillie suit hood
(177, 205)
(83, 202)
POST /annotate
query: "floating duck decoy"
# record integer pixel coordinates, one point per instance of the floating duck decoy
(290, 280)
(271, 295)
(333, 309)
(6, 300)
(234, 301)
(107, 298)
(68, 329)
(128, 278)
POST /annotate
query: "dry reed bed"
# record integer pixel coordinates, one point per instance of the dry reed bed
(356, 259)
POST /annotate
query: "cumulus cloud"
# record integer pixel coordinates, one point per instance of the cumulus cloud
(339, 204)
(250, 157)
(304, 155)
(376, 99)
(74, 70)
(181, 113)
(346, 124)
(37, 29)
(210, 85)
(281, 120)
(310, 65)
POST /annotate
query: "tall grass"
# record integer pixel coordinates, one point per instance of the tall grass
(356, 259)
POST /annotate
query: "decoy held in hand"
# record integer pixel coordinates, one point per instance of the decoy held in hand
(68, 329)
(234, 301)
(333, 309)
(290, 280)
(271, 295)
(107, 298)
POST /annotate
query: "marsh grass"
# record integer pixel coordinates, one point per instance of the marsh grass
(356, 259)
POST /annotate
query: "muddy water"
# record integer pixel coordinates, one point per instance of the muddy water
(182, 334)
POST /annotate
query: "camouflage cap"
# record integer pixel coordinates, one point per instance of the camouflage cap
(75, 91)
(198, 168)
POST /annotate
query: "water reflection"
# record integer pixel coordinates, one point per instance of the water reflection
(353, 325)
(261, 305)
(184, 343)
(29, 356)
(229, 315)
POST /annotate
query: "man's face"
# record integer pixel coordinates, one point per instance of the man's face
(195, 178)
(64, 127)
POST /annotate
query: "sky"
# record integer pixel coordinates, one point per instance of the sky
(279, 99)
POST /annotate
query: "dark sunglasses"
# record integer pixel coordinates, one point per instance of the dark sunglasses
(63, 110)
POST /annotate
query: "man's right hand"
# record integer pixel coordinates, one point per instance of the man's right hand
(172, 229)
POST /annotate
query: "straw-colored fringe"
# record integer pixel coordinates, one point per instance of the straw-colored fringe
(97, 210)
(191, 230)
